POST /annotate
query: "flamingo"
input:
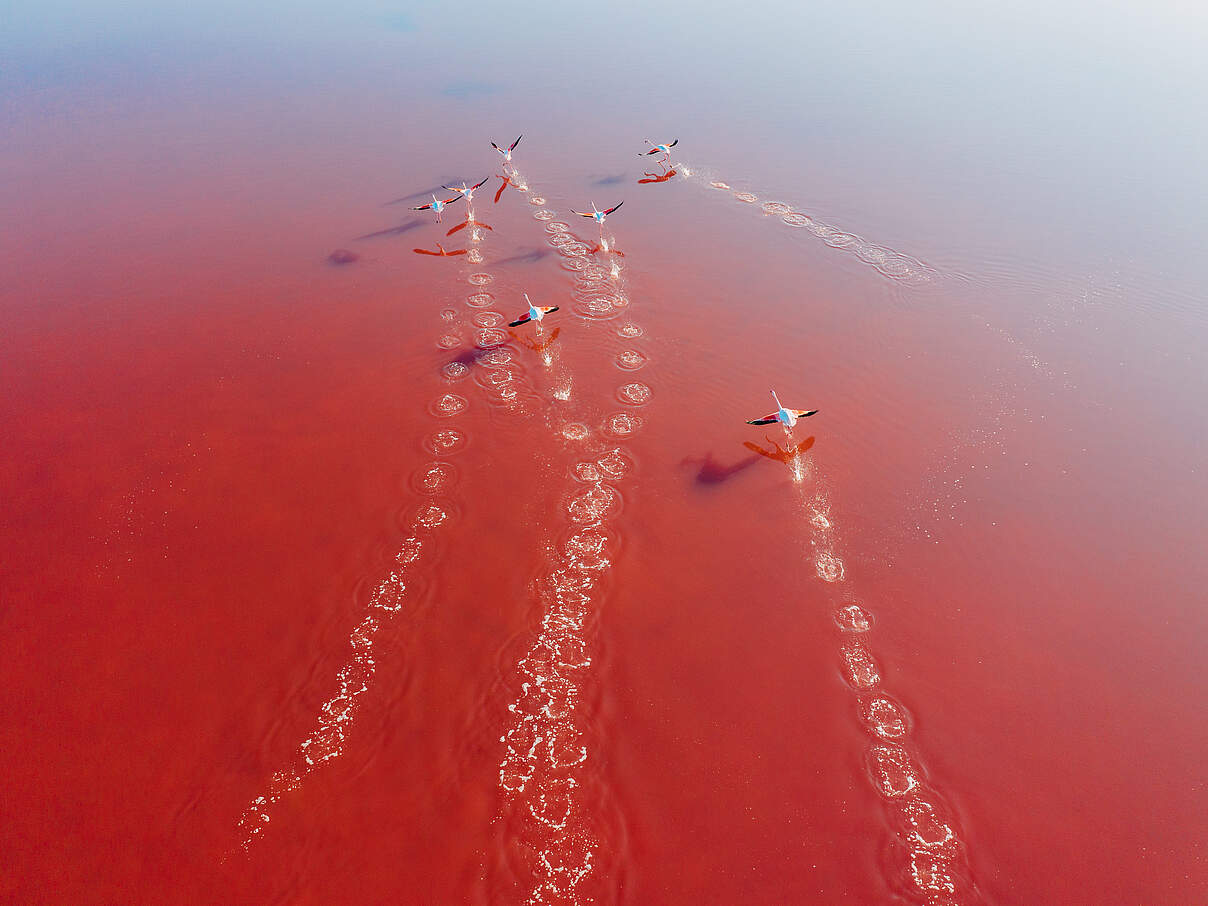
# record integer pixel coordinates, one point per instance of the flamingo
(437, 205)
(507, 155)
(786, 417)
(596, 215)
(656, 149)
(466, 192)
(535, 313)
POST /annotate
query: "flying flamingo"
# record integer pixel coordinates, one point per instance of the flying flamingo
(437, 205)
(535, 313)
(786, 417)
(596, 215)
(656, 149)
(466, 192)
(507, 155)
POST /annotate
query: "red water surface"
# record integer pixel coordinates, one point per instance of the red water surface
(215, 444)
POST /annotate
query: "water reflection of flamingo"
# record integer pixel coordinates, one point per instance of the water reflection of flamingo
(540, 345)
(506, 181)
(657, 177)
(535, 313)
(787, 455)
(786, 417)
(437, 205)
(440, 251)
(465, 223)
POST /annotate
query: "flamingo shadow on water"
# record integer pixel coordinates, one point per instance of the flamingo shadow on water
(711, 471)
(392, 231)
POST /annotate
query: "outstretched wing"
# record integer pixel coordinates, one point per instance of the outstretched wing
(651, 151)
(451, 200)
(804, 413)
(422, 207)
(581, 214)
(549, 309)
(614, 207)
(517, 142)
(766, 420)
(674, 143)
(522, 320)
(497, 148)
(480, 184)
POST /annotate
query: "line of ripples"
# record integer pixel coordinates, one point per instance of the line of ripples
(894, 265)
(929, 863)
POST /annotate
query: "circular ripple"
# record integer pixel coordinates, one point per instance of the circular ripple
(497, 357)
(574, 264)
(598, 305)
(446, 442)
(776, 207)
(488, 319)
(480, 300)
(537, 200)
(853, 618)
(574, 431)
(575, 248)
(433, 477)
(429, 516)
(719, 185)
(491, 336)
(587, 471)
(630, 360)
(614, 464)
(595, 272)
(557, 226)
(893, 773)
(481, 279)
(455, 371)
(797, 220)
(841, 240)
(448, 314)
(745, 197)
(544, 214)
(593, 504)
(497, 377)
(622, 424)
(448, 405)
(829, 567)
(629, 331)
(885, 717)
(859, 667)
(474, 256)
(559, 239)
(448, 341)
(635, 394)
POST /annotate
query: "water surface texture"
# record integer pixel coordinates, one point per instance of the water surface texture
(322, 584)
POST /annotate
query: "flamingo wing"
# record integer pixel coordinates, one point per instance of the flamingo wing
(804, 413)
(481, 184)
(451, 200)
(674, 143)
(523, 319)
(581, 214)
(517, 142)
(614, 207)
(766, 420)
(549, 308)
(422, 207)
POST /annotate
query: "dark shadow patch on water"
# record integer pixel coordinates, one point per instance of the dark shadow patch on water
(529, 257)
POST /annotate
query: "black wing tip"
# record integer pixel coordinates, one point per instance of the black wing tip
(553, 309)
(761, 421)
(811, 412)
(517, 323)
(674, 143)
